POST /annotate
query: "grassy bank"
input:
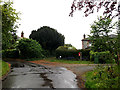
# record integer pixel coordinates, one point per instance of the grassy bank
(103, 77)
(4, 68)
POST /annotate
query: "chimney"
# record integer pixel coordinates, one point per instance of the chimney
(22, 34)
(84, 36)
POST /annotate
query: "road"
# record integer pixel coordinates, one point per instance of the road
(30, 75)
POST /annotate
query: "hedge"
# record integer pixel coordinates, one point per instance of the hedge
(64, 52)
(103, 57)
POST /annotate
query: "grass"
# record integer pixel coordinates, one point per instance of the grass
(4, 68)
(53, 59)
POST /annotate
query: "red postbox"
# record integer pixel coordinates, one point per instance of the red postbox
(79, 54)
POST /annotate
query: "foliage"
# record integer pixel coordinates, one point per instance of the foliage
(10, 53)
(48, 37)
(103, 57)
(71, 52)
(30, 49)
(117, 45)
(90, 6)
(101, 41)
(46, 53)
(4, 68)
(9, 20)
(66, 51)
(100, 35)
(103, 77)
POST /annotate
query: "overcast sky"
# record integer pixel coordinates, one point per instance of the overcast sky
(55, 14)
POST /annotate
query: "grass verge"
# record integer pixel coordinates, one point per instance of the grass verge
(4, 68)
(53, 59)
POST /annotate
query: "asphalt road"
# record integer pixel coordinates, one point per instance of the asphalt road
(30, 75)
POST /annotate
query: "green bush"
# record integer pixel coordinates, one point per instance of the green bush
(103, 57)
(10, 53)
(30, 49)
(103, 77)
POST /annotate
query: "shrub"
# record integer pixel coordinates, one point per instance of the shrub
(10, 53)
(30, 49)
(103, 77)
(103, 57)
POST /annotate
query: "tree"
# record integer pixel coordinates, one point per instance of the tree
(48, 37)
(9, 20)
(100, 35)
(101, 41)
(89, 7)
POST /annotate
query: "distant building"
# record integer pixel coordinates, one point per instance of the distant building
(85, 42)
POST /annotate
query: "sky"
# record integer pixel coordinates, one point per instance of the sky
(55, 14)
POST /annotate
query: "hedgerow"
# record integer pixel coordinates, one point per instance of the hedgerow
(103, 77)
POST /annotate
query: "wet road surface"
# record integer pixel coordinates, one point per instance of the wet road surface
(30, 75)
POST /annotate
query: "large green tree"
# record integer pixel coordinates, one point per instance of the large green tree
(100, 31)
(9, 20)
(101, 40)
(48, 37)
